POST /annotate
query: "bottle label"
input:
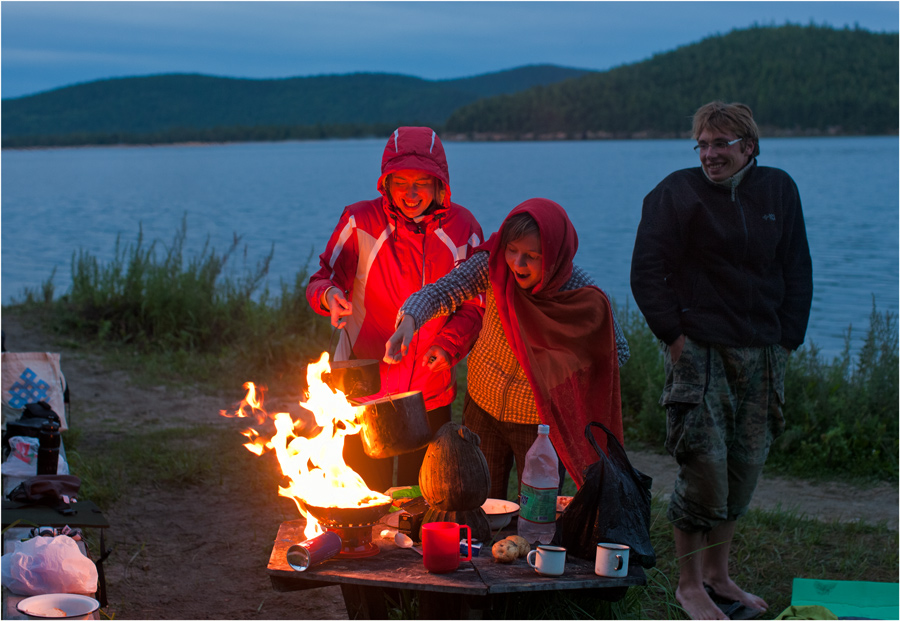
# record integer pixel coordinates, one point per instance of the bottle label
(538, 504)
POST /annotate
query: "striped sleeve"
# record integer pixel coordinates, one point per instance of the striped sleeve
(467, 280)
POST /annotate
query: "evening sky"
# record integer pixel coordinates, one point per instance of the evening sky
(47, 45)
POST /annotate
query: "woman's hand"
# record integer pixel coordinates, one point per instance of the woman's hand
(397, 346)
(338, 305)
(436, 359)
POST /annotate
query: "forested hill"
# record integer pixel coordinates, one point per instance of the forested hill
(177, 107)
(797, 80)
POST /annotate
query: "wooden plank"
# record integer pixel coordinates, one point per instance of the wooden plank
(286, 585)
(519, 576)
(392, 567)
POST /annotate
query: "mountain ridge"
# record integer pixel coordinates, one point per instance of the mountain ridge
(169, 102)
(799, 80)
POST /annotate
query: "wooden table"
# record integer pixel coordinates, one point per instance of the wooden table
(476, 587)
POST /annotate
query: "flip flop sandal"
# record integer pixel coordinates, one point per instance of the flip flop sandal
(733, 609)
(745, 612)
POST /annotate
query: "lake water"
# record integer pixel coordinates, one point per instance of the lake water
(291, 194)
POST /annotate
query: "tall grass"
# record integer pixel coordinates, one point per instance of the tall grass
(197, 318)
(192, 319)
(842, 415)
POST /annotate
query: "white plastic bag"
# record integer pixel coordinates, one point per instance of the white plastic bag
(22, 459)
(48, 565)
(24, 450)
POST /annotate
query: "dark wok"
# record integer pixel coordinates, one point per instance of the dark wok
(349, 516)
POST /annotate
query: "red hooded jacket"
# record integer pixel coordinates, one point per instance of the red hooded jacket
(379, 258)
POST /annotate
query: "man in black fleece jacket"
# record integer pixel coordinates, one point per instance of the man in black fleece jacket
(721, 271)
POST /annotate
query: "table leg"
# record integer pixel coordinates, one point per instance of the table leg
(364, 602)
(443, 606)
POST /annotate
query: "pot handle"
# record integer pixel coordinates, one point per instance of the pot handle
(331, 342)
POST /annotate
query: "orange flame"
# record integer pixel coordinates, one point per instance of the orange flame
(314, 464)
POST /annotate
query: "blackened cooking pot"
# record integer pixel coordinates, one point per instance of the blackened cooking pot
(395, 425)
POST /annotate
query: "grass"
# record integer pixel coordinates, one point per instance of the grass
(166, 318)
(841, 414)
(769, 549)
(178, 457)
(204, 321)
(199, 319)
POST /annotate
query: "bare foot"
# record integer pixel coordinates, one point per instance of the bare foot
(730, 590)
(697, 604)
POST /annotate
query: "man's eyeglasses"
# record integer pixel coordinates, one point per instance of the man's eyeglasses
(718, 145)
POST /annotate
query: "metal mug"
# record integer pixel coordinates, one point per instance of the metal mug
(612, 560)
(548, 560)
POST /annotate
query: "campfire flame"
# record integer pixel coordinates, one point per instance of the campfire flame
(314, 464)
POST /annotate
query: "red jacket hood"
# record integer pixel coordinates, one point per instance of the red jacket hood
(415, 148)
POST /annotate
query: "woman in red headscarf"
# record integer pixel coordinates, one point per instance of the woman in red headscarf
(549, 348)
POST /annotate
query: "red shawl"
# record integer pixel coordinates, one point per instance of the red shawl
(564, 340)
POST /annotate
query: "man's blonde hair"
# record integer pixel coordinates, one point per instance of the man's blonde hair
(735, 118)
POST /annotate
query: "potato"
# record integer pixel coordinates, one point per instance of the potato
(505, 551)
(521, 543)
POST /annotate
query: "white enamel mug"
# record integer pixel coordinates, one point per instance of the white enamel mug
(612, 560)
(548, 560)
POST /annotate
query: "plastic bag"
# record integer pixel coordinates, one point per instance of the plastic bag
(612, 506)
(22, 459)
(24, 451)
(48, 565)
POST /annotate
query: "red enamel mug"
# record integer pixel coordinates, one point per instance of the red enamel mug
(440, 546)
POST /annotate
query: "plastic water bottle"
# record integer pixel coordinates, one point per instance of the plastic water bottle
(539, 485)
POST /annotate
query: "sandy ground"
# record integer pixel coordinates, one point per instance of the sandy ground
(182, 555)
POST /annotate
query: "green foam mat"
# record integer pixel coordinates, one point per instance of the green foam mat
(847, 598)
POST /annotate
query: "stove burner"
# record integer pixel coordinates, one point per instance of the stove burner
(356, 541)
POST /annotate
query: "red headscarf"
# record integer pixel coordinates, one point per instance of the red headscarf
(564, 340)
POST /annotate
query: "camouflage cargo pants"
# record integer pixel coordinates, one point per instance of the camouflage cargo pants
(723, 410)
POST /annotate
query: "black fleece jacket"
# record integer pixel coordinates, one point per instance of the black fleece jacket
(724, 266)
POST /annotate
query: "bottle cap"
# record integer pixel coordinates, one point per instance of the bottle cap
(544, 430)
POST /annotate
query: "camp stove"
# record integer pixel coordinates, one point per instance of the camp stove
(353, 525)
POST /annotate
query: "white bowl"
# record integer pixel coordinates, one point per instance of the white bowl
(57, 605)
(499, 512)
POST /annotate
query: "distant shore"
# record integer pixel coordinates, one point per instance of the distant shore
(447, 137)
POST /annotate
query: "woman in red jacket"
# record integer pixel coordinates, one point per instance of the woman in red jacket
(382, 251)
